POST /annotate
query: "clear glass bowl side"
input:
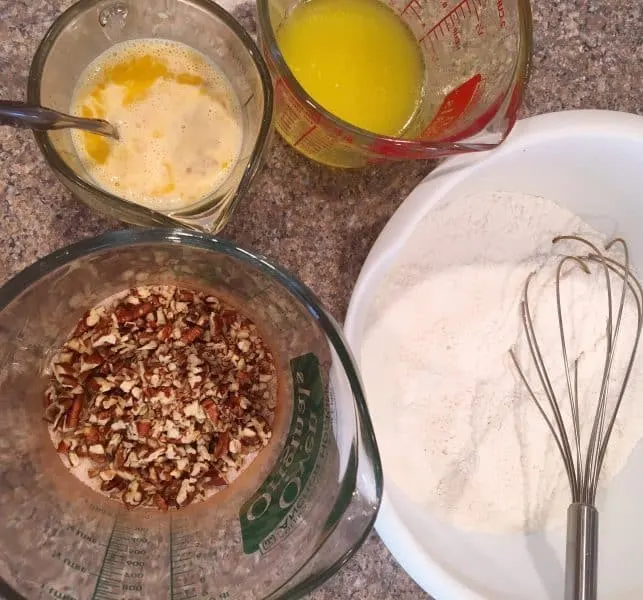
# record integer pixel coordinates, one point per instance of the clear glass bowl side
(41, 304)
(90, 27)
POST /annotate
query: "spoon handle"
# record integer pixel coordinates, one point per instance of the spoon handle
(30, 116)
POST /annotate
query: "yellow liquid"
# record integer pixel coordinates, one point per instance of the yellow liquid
(357, 59)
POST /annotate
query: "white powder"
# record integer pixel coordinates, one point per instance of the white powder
(456, 429)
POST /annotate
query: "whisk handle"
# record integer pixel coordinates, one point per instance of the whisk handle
(582, 552)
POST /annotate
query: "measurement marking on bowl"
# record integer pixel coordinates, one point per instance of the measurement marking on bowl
(305, 134)
(414, 6)
(121, 572)
(134, 551)
(455, 16)
(184, 576)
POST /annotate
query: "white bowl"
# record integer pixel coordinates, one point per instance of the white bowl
(592, 163)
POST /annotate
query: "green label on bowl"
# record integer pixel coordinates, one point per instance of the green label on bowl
(271, 513)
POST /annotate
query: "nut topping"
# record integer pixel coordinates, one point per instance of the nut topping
(164, 393)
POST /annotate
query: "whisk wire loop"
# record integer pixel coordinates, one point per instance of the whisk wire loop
(583, 472)
(562, 441)
(589, 476)
(572, 387)
(636, 289)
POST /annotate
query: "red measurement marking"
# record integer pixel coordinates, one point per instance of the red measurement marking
(415, 7)
(292, 112)
(460, 11)
(408, 5)
(418, 16)
(306, 133)
(501, 13)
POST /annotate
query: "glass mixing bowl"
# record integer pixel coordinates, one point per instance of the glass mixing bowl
(90, 27)
(276, 535)
(476, 57)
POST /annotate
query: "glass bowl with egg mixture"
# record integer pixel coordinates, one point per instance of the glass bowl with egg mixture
(105, 501)
(188, 91)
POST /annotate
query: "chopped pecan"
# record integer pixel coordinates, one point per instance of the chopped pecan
(74, 412)
(190, 335)
(165, 393)
(211, 410)
(92, 435)
(129, 314)
(143, 428)
(221, 445)
(160, 502)
(63, 447)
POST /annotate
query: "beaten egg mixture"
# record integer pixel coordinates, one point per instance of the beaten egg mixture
(178, 120)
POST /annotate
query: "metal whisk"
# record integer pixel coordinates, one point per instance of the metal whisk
(583, 463)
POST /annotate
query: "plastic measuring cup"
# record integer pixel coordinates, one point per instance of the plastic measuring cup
(476, 58)
(275, 533)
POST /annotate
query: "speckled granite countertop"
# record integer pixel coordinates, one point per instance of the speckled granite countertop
(317, 222)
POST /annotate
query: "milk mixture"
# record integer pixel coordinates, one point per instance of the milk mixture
(178, 120)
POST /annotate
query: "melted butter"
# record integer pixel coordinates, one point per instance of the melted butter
(178, 120)
(358, 59)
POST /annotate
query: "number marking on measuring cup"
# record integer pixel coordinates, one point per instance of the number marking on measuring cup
(449, 24)
(121, 573)
(185, 577)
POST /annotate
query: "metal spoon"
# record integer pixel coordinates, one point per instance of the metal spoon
(32, 116)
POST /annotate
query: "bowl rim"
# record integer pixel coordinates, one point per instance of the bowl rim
(12, 289)
(598, 124)
(117, 204)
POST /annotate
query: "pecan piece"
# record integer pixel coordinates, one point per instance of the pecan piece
(160, 502)
(63, 447)
(74, 412)
(211, 410)
(221, 445)
(129, 314)
(92, 435)
(191, 335)
(143, 428)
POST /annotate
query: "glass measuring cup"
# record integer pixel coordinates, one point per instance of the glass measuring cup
(89, 28)
(476, 57)
(275, 534)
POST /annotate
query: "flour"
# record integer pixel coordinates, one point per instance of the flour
(456, 428)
